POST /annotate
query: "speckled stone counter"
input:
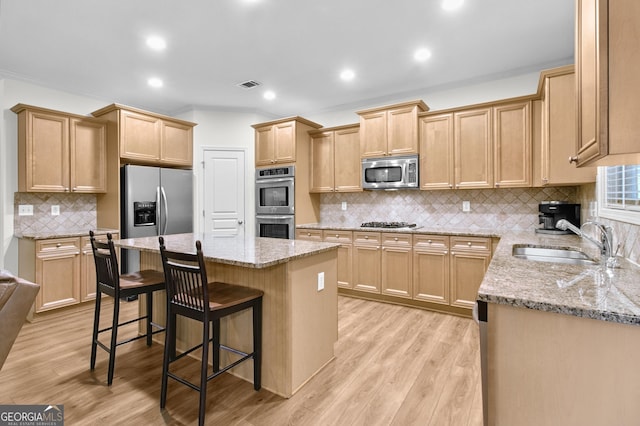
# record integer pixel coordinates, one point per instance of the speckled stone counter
(233, 250)
(66, 233)
(299, 309)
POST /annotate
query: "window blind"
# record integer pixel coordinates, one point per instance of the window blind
(622, 186)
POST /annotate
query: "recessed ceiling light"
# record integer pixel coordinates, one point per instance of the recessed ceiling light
(154, 82)
(347, 75)
(156, 43)
(422, 54)
(452, 4)
(269, 95)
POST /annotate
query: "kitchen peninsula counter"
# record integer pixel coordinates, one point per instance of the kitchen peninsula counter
(300, 321)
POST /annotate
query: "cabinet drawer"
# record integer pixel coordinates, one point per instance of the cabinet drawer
(431, 242)
(343, 237)
(52, 247)
(471, 243)
(396, 240)
(309, 234)
(366, 238)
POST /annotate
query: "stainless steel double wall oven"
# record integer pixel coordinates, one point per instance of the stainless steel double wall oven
(275, 201)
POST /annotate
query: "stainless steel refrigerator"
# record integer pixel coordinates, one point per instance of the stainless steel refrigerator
(154, 201)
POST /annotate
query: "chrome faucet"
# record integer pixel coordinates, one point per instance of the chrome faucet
(606, 236)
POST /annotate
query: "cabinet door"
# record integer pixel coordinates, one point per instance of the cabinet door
(345, 255)
(402, 131)
(591, 79)
(139, 137)
(436, 152)
(58, 273)
(176, 144)
(265, 152)
(512, 145)
(88, 156)
(366, 261)
(431, 268)
(285, 142)
(347, 174)
(470, 258)
(559, 128)
(397, 265)
(322, 165)
(373, 134)
(46, 155)
(472, 149)
(309, 234)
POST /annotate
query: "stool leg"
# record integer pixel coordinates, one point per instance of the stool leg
(216, 345)
(169, 343)
(96, 324)
(114, 339)
(257, 344)
(203, 372)
(149, 316)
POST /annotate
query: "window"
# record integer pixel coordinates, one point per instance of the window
(619, 193)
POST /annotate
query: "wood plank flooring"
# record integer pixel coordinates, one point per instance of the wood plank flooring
(394, 366)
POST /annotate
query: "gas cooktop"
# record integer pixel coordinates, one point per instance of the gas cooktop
(388, 225)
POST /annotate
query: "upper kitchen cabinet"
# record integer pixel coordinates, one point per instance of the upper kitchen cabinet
(60, 152)
(277, 141)
(557, 131)
(148, 138)
(335, 159)
(512, 144)
(607, 60)
(390, 130)
(436, 151)
(472, 149)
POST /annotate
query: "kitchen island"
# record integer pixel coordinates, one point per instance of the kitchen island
(300, 319)
(559, 342)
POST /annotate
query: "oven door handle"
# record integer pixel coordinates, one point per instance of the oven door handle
(270, 216)
(270, 181)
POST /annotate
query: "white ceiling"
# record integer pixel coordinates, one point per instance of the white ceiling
(296, 48)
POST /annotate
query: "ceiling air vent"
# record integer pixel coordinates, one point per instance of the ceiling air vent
(249, 84)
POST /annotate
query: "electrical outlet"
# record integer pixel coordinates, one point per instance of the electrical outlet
(320, 281)
(25, 210)
(55, 210)
(344, 205)
(466, 206)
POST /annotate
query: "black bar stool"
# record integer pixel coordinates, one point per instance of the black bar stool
(110, 282)
(191, 295)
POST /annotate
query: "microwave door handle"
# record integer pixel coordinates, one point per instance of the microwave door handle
(166, 210)
(157, 210)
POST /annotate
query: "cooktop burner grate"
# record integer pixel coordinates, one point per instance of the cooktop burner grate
(388, 225)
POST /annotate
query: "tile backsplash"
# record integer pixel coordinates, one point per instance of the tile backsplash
(499, 209)
(77, 211)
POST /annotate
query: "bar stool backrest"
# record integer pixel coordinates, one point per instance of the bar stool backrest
(106, 261)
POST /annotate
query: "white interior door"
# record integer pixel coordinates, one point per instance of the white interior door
(224, 187)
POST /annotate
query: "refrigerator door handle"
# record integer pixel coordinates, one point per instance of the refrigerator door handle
(157, 210)
(166, 210)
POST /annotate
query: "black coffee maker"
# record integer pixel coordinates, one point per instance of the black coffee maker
(552, 211)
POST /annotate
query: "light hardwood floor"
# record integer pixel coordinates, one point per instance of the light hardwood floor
(394, 366)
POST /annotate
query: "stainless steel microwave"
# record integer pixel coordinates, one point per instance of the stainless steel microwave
(390, 172)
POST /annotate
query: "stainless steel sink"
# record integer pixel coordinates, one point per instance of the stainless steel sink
(550, 254)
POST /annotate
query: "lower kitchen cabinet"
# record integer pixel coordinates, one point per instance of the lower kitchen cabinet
(345, 251)
(366, 261)
(470, 257)
(431, 268)
(63, 267)
(397, 265)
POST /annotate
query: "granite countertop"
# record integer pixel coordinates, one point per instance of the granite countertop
(233, 250)
(65, 233)
(584, 291)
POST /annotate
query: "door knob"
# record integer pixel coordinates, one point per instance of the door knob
(573, 159)
(239, 222)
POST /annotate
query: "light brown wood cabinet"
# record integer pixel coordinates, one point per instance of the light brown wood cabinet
(63, 267)
(558, 131)
(345, 255)
(277, 142)
(607, 59)
(472, 150)
(431, 268)
(390, 130)
(470, 257)
(366, 261)
(60, 152)
(335, 160)
(147, 138)
(397, 265)
(436, 152)
(512, 145)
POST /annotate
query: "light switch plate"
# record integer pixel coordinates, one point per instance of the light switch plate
(344, 205)
(25, 210)
(466, 206)
(320, 281)
(55, 210)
